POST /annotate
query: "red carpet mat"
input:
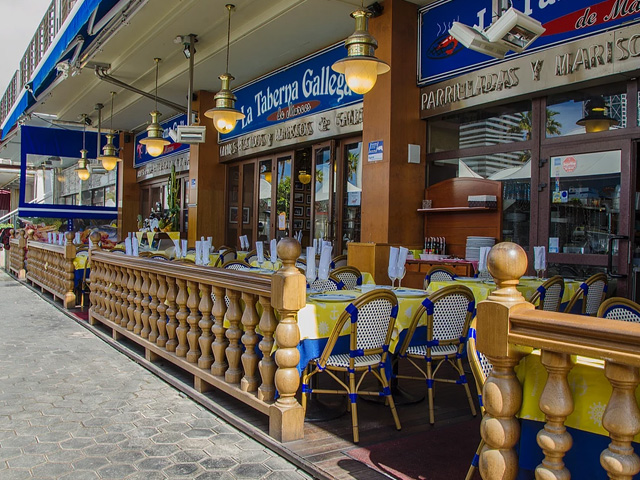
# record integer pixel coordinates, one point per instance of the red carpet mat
(437, 454)
(81, 315)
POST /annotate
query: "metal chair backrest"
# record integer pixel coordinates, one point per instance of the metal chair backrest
(159, 256)
(372, 317)
(236, 265)
(350, 276)
(251, 256)
(330, 284)
(549, 294)
(339, 261)
(592, 292)
(185, 260)
(225, 256)
(449, 312)
(618, 308)
(438, 274)
(301, 264)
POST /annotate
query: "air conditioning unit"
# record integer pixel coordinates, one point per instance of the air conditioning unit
(191, 134)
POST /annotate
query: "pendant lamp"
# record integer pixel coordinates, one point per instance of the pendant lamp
(82, 170)
(224, 114)
(361, 68)
(154, 142)
(109, 157)
(596, 119)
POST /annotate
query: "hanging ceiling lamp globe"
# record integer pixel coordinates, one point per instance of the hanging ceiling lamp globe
(361, 67)
(109, 157)
(154, 141)
(81, 170)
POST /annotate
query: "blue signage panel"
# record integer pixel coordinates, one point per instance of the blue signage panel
(441, 56)
(302, 88)
(169, 128)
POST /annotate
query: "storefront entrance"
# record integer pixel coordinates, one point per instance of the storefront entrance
(315, 189)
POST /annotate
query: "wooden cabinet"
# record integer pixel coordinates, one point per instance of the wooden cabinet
(452, 218)
(370, 257)
(417, 269)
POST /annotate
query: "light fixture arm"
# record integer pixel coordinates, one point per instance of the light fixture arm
(229, 8)
(192, 52)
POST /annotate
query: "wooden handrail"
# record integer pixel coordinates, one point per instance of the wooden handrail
(508, 328)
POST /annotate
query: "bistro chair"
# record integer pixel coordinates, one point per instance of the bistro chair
(82, 248)
(330, 284)
(236, 265)
(484, 275)
(548, 296)
(225, 256)
(301, 264)
(251, 256)
(481, 368)
(372, 318)
(339, 261)
(448, 314)
(350, 276)
(618, 308)
(438, 274)
(160, 256)
(592, 293)
(185, 260)
(145, 253)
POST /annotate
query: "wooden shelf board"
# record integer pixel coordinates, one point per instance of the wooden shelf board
(455, 209)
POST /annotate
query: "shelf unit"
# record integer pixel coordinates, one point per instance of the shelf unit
(451, 196)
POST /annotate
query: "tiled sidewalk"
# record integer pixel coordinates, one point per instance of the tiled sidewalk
(73, 408)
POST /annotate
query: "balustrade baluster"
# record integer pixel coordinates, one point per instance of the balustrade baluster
(234, 350)
(220, 343)
(144, 290)
(557, 404)
(99, 282)
(69, 271)
(268, 324)
(172, 324)
(126, 278)
(250, 318)
(113, 313)
(153, 306)
(622, 420)
(137, 313)
(193, 335)
(131, 297)
(107, 291)
(206, 339)
(161, 341)
(181, 316)
(118, 296)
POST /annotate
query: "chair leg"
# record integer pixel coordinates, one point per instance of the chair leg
(305, 386)
(474, 462)
(466, 387)
(430, 392)
(389, 397)
(353, 401)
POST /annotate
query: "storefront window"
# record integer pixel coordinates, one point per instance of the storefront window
(247, 201)
(352, 193)
(264, 201)
(233, 187)
(323, 191)
(283, 197)
(480, 128)
(586, 111)
(585, 202)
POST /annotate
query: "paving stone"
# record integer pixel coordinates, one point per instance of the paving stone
(147, 475)
(116, 472)
(44, 448)
(250, 471)
(90, 463)
(51, 469)
(218, 463)
(26, 461)
(278, 463)
(15, 474)
(287, 475)
(154, 463)
(182, 470)
(65, 456)
(80, 475)
(213, 475)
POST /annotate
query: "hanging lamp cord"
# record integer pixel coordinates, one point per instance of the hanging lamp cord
(113, 94)
(229, 7)
(156, 95)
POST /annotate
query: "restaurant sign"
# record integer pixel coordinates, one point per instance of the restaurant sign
(311, 127)
(441, 56)
(594, 57)
(169, 128)
(305, 87)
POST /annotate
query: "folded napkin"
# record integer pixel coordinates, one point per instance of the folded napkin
(134, 247)
(76, 238)
(539, 258)
(260, 252)
(325, 262)
(127, 246)
(393, 262)
(247, 245)
(402, 259)
(199, 256)
(315, 244)
(177, 252)
(49, 235)
(482, 260)
(210, 243)
(90, 244)
(183, 248)
(274, 250)
(311, 265)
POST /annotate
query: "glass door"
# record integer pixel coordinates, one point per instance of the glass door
(248, 187)
(283, 196)
(584, 216)
(324, 190)
(351, 193)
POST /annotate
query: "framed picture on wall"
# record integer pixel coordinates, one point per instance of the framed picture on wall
(298, 211)
(233, 214)
(298, 198)
(307, 187)
(246, 213)
(309, 199)
(308, 225)
(298, 224)
(299, 186)
(308, 213)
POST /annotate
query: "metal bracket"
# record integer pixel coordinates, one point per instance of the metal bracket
(541, 186)
(542, 161)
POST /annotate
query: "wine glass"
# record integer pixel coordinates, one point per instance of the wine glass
(392, 276)
(401, 276)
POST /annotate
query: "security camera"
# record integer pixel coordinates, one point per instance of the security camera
(473, 39)
(515, 30)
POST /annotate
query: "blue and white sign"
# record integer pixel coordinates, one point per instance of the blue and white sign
(376, 150)
(305, 87)
(169, 128)
(441, 56)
